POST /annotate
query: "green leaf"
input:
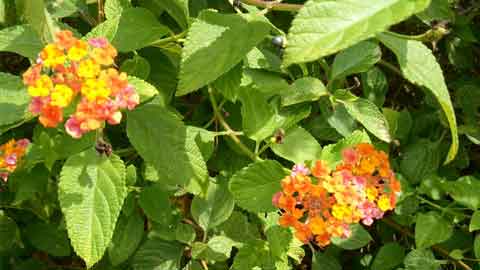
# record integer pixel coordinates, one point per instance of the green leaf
(400, 123)
(431, 229)
(474, 222)
(388, 257)
(21, 39)
(177, 9)
(368, 114)
(156, 254)
(185, 233)
(356, 59)
(238, 229)
(65, 8)
(8, 232)
(254, 255)
(464, 191)
(145, 90)
(421, 259)
(14, 99)
(279, 239)
(215, 44)
(326, 27)
(215, 208)
(323, 261)
(419, 160)
(205, 140)
(228, 84)
(476, 246)
(359, 238)
(438, 10)
(419, 66)
(155, 202)
(39, 19)
(259, 58)
(131, 177)
(126, 238)
(254, 186)
(298, 146)
(375, 86)
(136, 66)
(123, 31)
(161, 139)
(217, 249)
(91, 194)
(27, 184)
(48, 238)
(114, 8)
(304, 90)
(333, 153)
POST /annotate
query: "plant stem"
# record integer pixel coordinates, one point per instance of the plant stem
(172, 38)
(227, 133)
(273, 5)
(231, 133)
(391, 67)
(443, 209)
(436, 248)
(101, 11)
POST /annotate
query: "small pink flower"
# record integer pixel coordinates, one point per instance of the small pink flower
(11, 160)
(276, 198)
(300, 169)
(23, 143)
(99, 42)
(72, 126)
(350, 156)
(37, 104)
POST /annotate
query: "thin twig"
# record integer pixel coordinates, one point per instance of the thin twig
(101, 11)
(273, 5)
(231, 133)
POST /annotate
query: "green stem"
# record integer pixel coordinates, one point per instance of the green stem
(391, 67)
(273, 5)
(431, 35)
(264, 148)
(227, 133)
(439, 207)
(173, 38)
(226, 126)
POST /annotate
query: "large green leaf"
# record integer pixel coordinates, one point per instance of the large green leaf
(419, 66)
(155, 202)
(157, 254)
(177, 9)
(215, 208)
(464, 191)
(431, 229)
(356, 59)
(303, 90)
(136, 66)
(325, 27)
(368, 114)
(254, 186)
(114, 8)
(123, 31)
(321, 261)
(37, 16)
(161, 139)
(13, 99)
(217, 249)
(91, 193)
(358, 239)
(215, 44)
(21, 39)
(298, 146)
(48, 238)
(8, 232)
(389, 256)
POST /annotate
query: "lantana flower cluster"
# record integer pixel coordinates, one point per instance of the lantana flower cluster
(73, 71)
(320, 203)
(10, 154)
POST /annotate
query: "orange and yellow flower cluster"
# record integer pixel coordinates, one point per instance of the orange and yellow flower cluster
(73, 72)
(321, 203)
(10, 154)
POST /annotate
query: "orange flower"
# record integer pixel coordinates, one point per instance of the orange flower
(51, 116)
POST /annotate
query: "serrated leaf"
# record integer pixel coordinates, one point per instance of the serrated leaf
(215, 208)
(145, 90)
(37, 16)
(303, 90)
(161, 139)
(114, 8)
(325, 27)
(91, 193)
(464, 191)
(259, 58)
(155, 202)
(419, 66)
(374, 85)
(431, 229)
(123, 31)
(48, 238)
(358, 239)
(156, 254)
(185, 233)
(21, 39)
(356, 59)
(389, 256)
(368, 114)
(177, 9)
(421, 259)
(279, 239)
(14, 99)
(126, 238)
(254, 255)
(215, 44)
(218, 249)
(298, 146)
(254, 186)
(419, 160)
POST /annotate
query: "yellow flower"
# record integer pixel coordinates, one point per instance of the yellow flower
(384, 203)
(95, 90)
(77, 52)
(42, 87)
(61, 95)
(88, 69)
(52, 56)
(342, 212)
(372, 193)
